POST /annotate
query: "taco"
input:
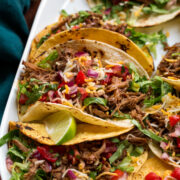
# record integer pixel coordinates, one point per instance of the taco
(90, 19)
(101, 159)
(153, 168)
(169, 68)
(164, 124)
(139, 13)
(117, 40)
(38, 131)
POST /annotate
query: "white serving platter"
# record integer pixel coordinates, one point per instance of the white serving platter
(48, 13)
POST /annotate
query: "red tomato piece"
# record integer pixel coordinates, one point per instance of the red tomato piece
(117, 70)
(61, 85)
(178, 142)
(43, 97)
(119, 174)
(173, 120)
(45, 154)
(75, 27)
(83, 93)
(152, 176)
(176, 173)
(23, 98)
(108, 78)
(80, 78)
(58, 31)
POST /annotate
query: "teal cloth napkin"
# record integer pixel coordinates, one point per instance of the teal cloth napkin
(13, 35)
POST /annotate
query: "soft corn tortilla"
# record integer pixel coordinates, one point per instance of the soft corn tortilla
(85, 132)
(173, 81)
(112, 38)
(116, 40)
(148, 20)
(155, 165)
(157, 152)
(35, 41)
(39, 110)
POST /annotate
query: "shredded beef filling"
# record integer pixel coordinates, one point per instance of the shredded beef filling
(84, 157)
(171, 68)
(119, 100)
(93, 20)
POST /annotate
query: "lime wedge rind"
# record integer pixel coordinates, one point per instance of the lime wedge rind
(61, 126)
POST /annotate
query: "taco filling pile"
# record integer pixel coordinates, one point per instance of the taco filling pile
(84, 80)
(165, 123)
(102, 159)
(95, 19)
(170, 65)
(139, 13)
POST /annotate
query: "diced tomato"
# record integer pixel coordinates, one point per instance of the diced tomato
(58, 31)
(43, 97)
(108, 78)
(117, 70)
(75, 27)
(45, 154)
(80, 78)
(152, 176)
(61, 85)
(83, 93)
(119, 174)
(125, 73)
(108, 155)
(173, 120)
(23, 98)
(176, 173)
(178, 142)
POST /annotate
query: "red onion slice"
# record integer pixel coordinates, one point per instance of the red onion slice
(107, 11)
(73, 90)
(51, 95)
(80, 53)
(71, 174)
(9, 164)
(124, 177)
(176, 133)
(163, 145)
(165, 156)
(92, 73)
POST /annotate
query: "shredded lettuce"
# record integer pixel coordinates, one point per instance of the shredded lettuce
(117, 154)
(42, 40)
(93, 174)
(36, 91)
(159, 89)
(148, 133)
(82, 16)
(95, 100)
(9, 136)
(64, 13)
(45, 63)
(22, 168)
(15, 153)
(121, 116)
(148, 40)
(124, 165)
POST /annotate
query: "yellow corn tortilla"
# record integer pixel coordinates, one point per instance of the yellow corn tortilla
(157, 152)
(39, 110)
(112, 38)
(147, 20)
(173, 81)
(35, 41)
(85, 132)
(155, 165)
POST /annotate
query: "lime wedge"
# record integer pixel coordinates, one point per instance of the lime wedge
(60, 126)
